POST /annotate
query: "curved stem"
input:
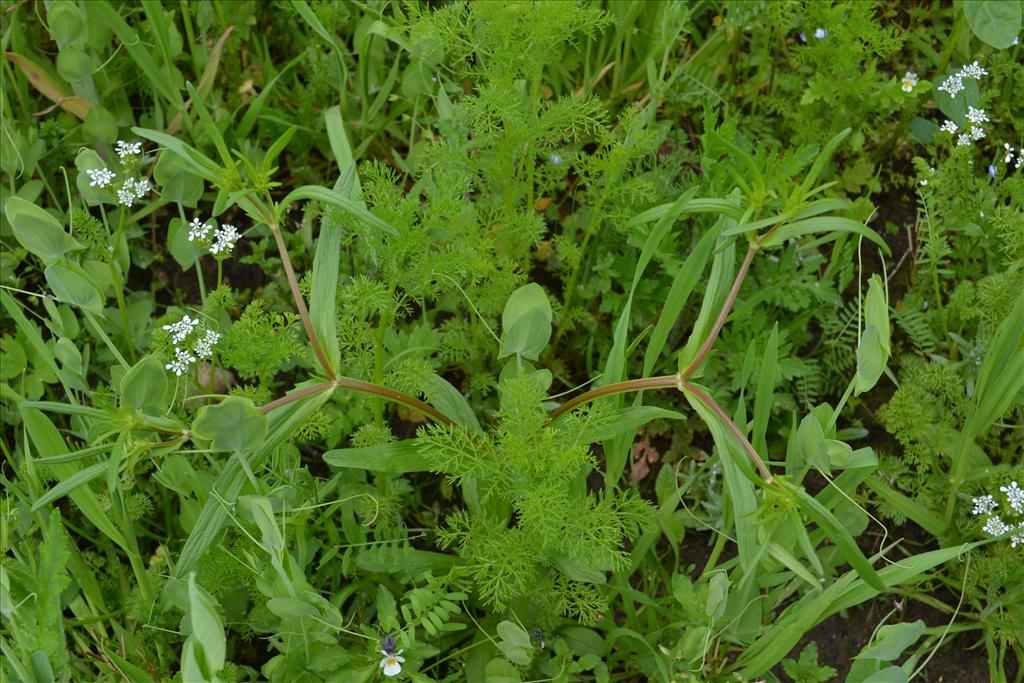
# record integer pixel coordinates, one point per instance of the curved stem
(300, 303)
(722, 315)
(721, 414)
(612, 389)
(363, 387)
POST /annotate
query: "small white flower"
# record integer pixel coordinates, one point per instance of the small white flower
(126, 149)
(803, 37)
(952, 85)
(984, 505)
(392, 663)
(820, 33)
(948, 127)
(1009, 153)
(1018, 537)
(964, 140)
(224, 239)
(909, 81)
(101, 177)
(973, 71)
(204, 347)
(924, 182)
(198, 230)
(1014, 496)
(125, 196)
(996, 526)
(976, 115)
(977, 132)
(181, 362)
(181, 329)
(555, 158)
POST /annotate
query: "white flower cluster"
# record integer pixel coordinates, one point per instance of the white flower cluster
(100, 177)
(975, 117)
(994, 524)
(126, 149)
(199, 230)
(132, 191)
(222, 240)
(202, 343)
(954, 84)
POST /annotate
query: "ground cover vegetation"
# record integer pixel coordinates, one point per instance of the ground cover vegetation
(511, 341)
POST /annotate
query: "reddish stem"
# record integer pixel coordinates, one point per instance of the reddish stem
(717, 410)
(612, 389)
(300, 303)
(722, 315)
(366, 388)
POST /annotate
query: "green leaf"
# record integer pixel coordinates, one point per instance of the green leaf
(996, 22)
(144, 385)
(838, 534)
(515, 643)
(207, 627)
(679, 293)
(346, 204)
(66, 486)
(74, 287)
(822, 224)
(892, 640)
(526, 322)
(234, 424)
(38, 231)
(323, 295)
(395, 458)
(765, 392)
(178, 183)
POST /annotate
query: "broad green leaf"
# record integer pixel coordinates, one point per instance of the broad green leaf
(178, 182)
(996, 22)
(395, 458)
(891, 640)
(234, 424)
(207, 627)
(71, 285)
(38, 231)
(526, 322)
(144, 385)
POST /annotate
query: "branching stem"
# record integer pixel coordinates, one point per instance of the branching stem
(300, 303)
(722, 315)
(363, 387)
